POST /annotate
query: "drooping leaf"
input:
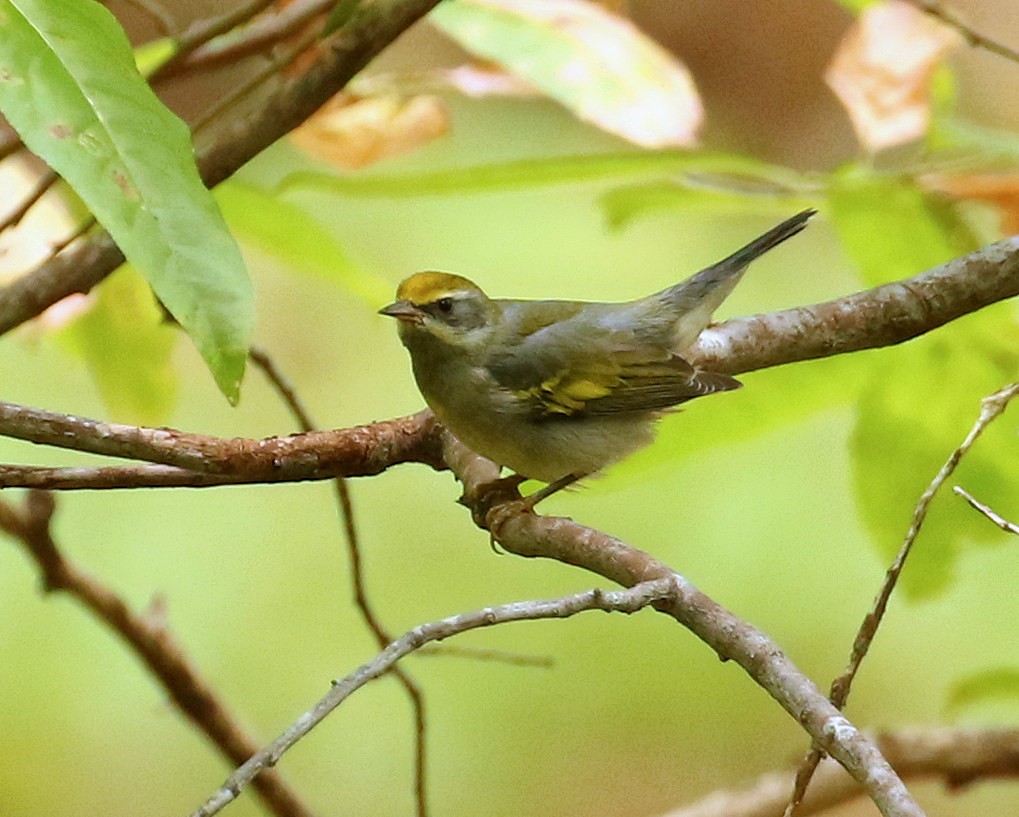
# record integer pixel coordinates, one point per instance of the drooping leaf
(287, 232)
(127, 346)
(597, 64)
(70, 87)
(920, 403)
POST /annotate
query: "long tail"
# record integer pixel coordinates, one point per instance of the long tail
(699, 296)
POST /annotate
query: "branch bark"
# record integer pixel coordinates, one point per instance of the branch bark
(956, 756)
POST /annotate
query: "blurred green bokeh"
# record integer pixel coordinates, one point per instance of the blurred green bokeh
(636, 716)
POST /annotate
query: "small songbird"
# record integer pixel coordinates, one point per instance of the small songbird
(557, 390)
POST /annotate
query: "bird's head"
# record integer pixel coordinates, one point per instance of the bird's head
(447, 307)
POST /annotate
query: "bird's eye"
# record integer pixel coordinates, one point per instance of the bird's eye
(444, 305)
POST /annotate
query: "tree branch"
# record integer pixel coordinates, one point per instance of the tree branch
(496, 507)
(148, 638)
(956, 756)
(623, 601)
(882, 316)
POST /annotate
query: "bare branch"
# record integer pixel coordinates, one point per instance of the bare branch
(358, 451)
(996, 518)
(623, 601)
(956, 756)
(883, 316)
(260, 33)
(202, 31)
(149, 638)
(939, 11)
(990, 408)
(496, 507)
(371, 619)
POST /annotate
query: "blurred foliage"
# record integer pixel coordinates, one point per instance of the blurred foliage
(126, 343)
(784, 500)
(998, 684)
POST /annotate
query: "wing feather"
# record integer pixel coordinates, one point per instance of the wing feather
(592, 363)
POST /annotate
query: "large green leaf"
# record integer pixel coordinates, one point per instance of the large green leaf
(921, 401)
(127, 345)
(69, 86)
(286, 231)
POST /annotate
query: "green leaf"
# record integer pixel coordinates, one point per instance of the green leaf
(891, 228)
(289, 233)
(526, 174)
(919, 405)
(151, 55)
(599, 65)
(988, 146)
(127, 346)
(998, 684)
(69, 86)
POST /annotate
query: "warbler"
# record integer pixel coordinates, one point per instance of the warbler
(557, 390)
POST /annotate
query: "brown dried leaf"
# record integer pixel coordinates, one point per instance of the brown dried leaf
(351, 132)
(1000, 190)
(882, 72)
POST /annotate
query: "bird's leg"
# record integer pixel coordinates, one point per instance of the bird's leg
(553, 487)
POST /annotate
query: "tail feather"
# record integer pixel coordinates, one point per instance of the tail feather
(696, 298)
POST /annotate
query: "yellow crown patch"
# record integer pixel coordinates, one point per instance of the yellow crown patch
(426, 287)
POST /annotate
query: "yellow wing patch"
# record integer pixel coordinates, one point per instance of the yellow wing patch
(563, 395)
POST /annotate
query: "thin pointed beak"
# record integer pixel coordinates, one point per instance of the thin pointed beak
(403, 311)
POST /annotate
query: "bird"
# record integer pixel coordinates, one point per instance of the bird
(557, 390)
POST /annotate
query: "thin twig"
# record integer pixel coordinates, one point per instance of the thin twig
(990, 408)
(149, 638)
(986, 510)
(623, 601)
(203, 31)
(262, 32)
(164, 21)
(496, 507)
(275, 66)
(288, 394)
(30, 199)
(940, 11)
